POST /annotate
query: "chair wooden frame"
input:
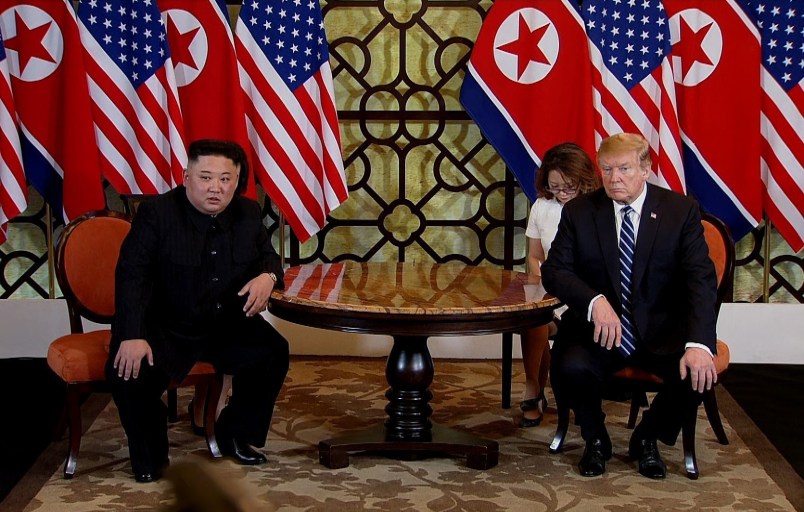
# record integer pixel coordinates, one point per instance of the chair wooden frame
(642, 382)
(79, 310)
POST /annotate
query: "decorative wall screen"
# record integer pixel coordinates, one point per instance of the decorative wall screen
(424, 184)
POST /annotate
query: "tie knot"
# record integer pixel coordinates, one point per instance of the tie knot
(626, 211)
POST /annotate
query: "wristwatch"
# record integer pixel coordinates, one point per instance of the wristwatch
(272, 276)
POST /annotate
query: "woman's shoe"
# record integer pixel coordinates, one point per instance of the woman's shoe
(530, 422)
(531, 404)
(197, 430)
(538, 404)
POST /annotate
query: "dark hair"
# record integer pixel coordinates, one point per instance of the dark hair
(225, 148)
(574, 163)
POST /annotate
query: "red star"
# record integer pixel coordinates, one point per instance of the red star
(526, 47)
(180, 45)
(28, 42)
(690, 47)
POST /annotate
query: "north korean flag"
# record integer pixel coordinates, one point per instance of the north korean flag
(45, 60)
(528, 83)
(715, 54)
(205, 67)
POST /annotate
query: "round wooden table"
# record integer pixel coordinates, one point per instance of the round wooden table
(411, 302)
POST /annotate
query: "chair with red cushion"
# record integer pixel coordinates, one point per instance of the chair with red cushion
(86, 258)
(640, 382)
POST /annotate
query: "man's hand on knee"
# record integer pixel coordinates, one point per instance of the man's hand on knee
(129, 358)
(701, 367)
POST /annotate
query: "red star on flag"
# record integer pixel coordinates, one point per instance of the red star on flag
(180, 51)
(690, 46)
(526, 46)
(29, 39)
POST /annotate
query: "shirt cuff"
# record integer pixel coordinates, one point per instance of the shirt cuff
(591, 303)
(699, 345)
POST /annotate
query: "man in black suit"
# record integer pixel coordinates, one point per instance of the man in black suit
(664, 321)
(194, 273)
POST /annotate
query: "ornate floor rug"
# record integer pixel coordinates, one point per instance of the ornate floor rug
(325, 397)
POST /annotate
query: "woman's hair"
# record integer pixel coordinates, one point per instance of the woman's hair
(227, 149)
(573, 163)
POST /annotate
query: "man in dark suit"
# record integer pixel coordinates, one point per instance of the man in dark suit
(194, 273)
(631, 262)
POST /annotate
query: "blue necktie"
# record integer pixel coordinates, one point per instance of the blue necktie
(627, 244)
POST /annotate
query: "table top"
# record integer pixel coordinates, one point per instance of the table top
(453, 298)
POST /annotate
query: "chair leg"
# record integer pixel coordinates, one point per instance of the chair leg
(688, 441)
(73, 406)
(507, 360)
(562, 426)
(210, 411)
(713, 414)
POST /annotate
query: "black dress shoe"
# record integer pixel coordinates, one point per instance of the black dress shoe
(241, 452)
(151, 475)
(646, 452)
(147, 477)
(595, 455)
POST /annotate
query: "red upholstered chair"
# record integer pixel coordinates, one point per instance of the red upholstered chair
(86, 258)
(721, 252)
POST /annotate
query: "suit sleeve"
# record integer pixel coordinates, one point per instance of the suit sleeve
(135, 275)
(700, 283)
(269, 259)
(559, 271)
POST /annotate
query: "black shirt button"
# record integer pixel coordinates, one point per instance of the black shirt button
(215, 279)
(213, 252)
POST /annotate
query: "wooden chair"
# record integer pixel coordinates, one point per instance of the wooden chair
(86, 258)
(640, 382)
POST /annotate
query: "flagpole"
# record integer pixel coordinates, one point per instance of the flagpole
(766, 266)
(51, 265)
(282, 239)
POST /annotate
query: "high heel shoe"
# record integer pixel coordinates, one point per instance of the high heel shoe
(538, 404)
(197, 430)
(531, 404)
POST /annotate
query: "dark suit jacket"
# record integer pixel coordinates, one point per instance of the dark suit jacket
(674, 281)
(164, 292)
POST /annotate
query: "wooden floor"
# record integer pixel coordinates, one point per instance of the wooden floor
(771, 395)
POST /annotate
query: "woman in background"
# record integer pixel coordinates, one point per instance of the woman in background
(566, 172)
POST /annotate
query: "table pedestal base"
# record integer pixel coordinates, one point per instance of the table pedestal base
(408, 431)
(480, 453)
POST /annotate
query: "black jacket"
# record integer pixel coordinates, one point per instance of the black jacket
(172, 293)
(673, 279)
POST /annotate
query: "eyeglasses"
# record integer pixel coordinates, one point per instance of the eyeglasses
(562, 190)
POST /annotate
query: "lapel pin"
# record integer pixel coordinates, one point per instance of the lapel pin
(652, 215)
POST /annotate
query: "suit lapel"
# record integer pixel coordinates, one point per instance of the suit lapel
(648, 227)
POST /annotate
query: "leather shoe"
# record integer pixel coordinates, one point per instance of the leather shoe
(646, 451)
(595, 455)
(241, 452)
(152, 475)
(149, 476)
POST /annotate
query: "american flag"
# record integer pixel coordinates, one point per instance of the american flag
(136, 111)
(629, 42)
(13, 190)
(781, 23)
(290, 109)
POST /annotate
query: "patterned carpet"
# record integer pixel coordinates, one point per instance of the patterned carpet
(325, 397)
